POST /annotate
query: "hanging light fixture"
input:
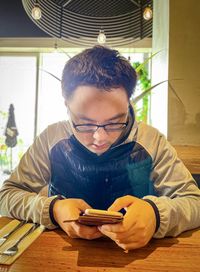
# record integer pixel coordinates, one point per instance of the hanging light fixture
(63, 19)
(101, 39)
(148, 13)
(36, 12)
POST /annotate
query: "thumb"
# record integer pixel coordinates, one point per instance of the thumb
(82, 205)
(122, 202)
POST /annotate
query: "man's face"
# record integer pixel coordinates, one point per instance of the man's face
(89, 105)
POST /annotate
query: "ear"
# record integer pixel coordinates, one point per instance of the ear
(68, 112)
(66, 104)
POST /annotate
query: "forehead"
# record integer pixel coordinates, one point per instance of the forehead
(93, 103)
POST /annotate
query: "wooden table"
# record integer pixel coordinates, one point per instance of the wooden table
(54, 251)
(190, 155)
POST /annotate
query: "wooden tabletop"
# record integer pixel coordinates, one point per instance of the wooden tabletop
(190, 155)
(54, 251)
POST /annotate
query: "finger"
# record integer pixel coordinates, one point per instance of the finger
(122, 202)
(129, 246)
(124, 236)
(73, 230)
(71, 234)
(82, 205)
(90, 236)
(114, 228)
(94, 236)
(70, 230)
(109, 234)
(86, 232)
(69, 209)
(124, 226)
(77, 203)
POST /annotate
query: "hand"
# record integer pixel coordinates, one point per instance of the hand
(70, 209)
(138, 226)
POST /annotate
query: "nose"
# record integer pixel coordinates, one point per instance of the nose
(100, 135)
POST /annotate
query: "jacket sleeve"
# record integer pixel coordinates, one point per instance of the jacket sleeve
(178, 196)
(20, 195)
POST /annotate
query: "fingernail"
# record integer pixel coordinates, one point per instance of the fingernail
(104, 228)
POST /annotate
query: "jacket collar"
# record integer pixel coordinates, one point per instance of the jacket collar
(131, 130)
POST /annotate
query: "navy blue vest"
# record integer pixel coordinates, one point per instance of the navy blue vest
(99, 180)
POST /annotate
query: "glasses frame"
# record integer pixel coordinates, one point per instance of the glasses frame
(124, 125)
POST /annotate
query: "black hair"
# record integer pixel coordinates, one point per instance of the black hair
(101, 67)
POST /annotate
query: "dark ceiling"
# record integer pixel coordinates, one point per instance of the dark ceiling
(79, 21)
(14, 22)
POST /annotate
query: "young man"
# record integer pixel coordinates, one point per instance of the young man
(103, 159)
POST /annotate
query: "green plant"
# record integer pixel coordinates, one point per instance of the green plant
(145, 86)
(143, 83)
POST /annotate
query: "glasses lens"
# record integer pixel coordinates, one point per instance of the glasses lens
(86, 128)
(93, 128)
(115, 127)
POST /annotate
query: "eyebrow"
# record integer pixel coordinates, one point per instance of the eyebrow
(117, 116)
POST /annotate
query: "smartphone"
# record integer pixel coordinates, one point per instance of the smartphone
(95, 217)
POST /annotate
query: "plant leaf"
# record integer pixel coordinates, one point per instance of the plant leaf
(62, 51)
(146, 61)
(50, 74)
(175, 93)
(139, 97)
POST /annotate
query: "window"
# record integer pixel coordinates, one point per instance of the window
(51, 106)
(18, 84)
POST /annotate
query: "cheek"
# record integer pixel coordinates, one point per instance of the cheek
(87, 139)
(83, 138)
(114, 136)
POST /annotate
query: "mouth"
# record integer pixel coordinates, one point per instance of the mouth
(99, 147)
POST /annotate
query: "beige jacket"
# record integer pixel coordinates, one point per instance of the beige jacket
(24, 194)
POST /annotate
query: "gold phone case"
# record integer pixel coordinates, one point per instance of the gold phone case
(94, 217)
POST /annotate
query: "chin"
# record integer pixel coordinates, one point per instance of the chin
(98, 152)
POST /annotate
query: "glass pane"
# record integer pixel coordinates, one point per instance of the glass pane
(51, 107)
(18, 81)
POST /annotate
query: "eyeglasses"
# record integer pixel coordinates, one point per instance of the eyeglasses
(111, 127)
